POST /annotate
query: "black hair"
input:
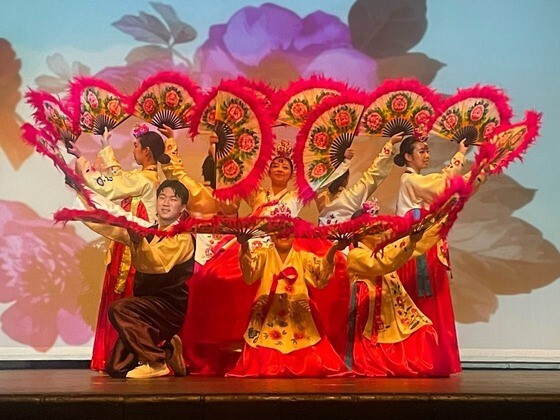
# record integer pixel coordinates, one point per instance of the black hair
(339, 182)
(209, 170)
(154, 141)
(407, 147)
(178, 188)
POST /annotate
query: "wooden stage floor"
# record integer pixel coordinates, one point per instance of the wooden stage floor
(82, 394)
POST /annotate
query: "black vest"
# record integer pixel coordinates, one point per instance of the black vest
(170, 286)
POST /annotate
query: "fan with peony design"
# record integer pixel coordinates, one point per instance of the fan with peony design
(293, 104)
(398, 106)
(51, 114)
(512, 141)
(237, 117)
(263, 91)
(45, 142)
(322, 141)
(166, 98)
(96, 105)
(472, 114)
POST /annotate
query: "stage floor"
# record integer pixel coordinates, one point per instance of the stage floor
(76, 394)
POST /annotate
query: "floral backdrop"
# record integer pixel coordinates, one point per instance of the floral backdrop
(504, 248)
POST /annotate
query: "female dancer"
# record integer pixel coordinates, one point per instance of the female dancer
(284, 337)
(136, 191)
(216, 336)
(425, 278)
(388, 335)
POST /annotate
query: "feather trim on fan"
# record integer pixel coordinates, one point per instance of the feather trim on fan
(243, 127)
(512, 141)
(166, 98)
(326, 134)
(292, 105)
(263, 91)
(96, 105)
(401, 105)
(473, 113)
(51, 114)
(45, 144)
(103, 217)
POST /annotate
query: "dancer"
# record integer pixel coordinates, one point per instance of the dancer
(156, 311)
(387, 334)
(217, 336)
(136, 191)
(284, 337)
(425, 278)
(202, 203)
(337, 203)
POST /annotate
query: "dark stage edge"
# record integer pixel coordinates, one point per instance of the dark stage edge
(473, 394)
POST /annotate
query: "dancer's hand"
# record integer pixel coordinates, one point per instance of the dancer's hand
(105, 138)
(166, 131)
(349, 153)
(72, 149)
(463, 148)
(396, 138)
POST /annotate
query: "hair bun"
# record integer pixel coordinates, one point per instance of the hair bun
(399, 160)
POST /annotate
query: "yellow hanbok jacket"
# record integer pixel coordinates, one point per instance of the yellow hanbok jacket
(281, 316)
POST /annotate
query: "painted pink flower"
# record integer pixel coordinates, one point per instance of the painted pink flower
(343, 119)
(399, 103)
(374, 121)
(450, 121)
(319, 170)
(235, 113)
(92, 100)
(321, 140)
(279, 46)
(246, 143)
(422, 117)
(477, 113)
(489, 129)
(231, 169)
(275, 334)
(42, 283)
(172, 99)
(114, 107)
(299, 335)
(299, 110)
(149, 106)
(86, 120)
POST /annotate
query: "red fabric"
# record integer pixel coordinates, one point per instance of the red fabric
(332, 301)
(105, 334)
(217, 315)
(438, 308)
(414, 357)
(317, 361)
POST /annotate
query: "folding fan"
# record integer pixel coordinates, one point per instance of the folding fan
(166, 98)
(51, 114)
(292, 105)
(97, 105)
(472, 114)
(264, 92)
(46, 144)
(323, 139)
(398, 106)
(237, 117)
(512, 141)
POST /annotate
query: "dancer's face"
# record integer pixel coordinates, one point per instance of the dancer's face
(139, 152)
(280, 171)
(283, 243)
(169, 206)
(420, 157)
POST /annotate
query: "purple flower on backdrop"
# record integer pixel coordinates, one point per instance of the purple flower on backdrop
(274, 44)
(41, 279)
